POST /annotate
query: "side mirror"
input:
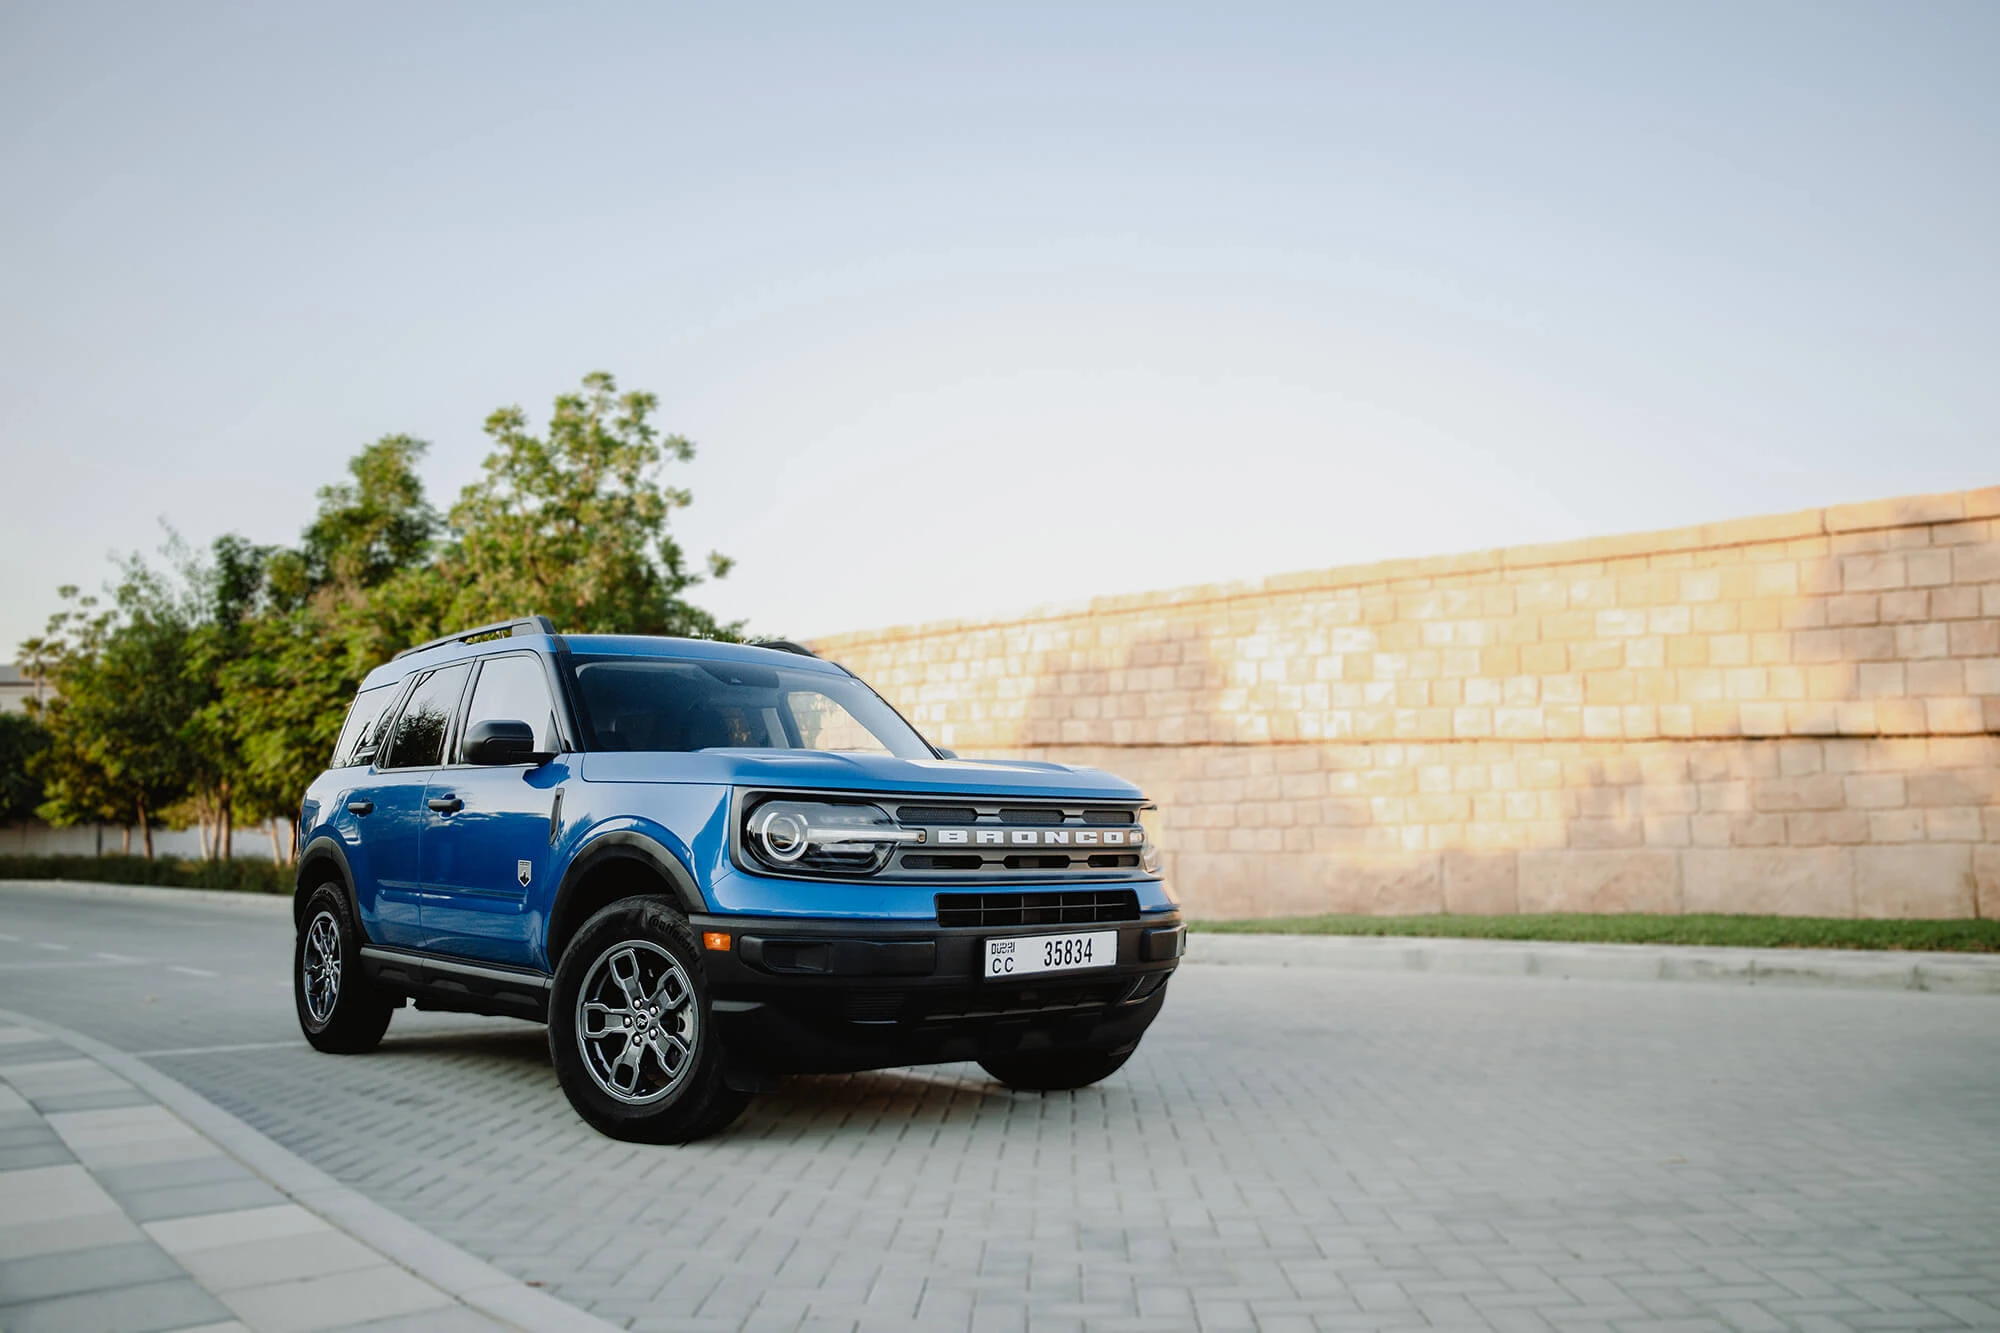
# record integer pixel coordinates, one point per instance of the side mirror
(946, 754)
(499, 741)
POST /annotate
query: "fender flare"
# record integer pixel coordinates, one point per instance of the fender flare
(623, 845)
(320, 854)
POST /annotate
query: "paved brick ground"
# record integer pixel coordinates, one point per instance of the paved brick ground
(1290, 1149)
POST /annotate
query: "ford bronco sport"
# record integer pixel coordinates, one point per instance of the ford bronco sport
(704, 865)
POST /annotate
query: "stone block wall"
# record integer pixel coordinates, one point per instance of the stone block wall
(1795, 714)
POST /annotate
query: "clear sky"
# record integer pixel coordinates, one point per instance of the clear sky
(971, 309)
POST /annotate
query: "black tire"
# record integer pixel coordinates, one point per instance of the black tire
(667, 1102)
(340, 1014)
(1055, 1071)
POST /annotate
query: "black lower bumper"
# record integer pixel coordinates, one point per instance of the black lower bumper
(795, 997)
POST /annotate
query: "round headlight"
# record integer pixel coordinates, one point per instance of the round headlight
(837, 837)
(783, 833)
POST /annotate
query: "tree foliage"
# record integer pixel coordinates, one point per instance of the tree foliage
(215, 687)
(22, 738)
(573, 525)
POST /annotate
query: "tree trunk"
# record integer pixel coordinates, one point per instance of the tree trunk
(277, 850)
(292, 828)
(201, 823)
(146, 828)
(225, 829)
(126, 850)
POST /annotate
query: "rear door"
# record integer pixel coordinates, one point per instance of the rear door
(353, 817)
(486, 845)
(392, 829)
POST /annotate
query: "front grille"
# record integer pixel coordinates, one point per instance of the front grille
(936, 814)
(986, 839)
(1062, 907)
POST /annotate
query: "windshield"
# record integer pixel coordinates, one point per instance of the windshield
(653, 703)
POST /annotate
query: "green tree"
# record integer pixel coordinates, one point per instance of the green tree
(359, 587)
(574, 523)
(22, 738)
(121, 701)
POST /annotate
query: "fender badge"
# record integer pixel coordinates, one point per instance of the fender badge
(523, 871)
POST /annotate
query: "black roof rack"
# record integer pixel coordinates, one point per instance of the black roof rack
(522, 625)
(784, 646)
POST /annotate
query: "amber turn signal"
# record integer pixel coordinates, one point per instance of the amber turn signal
(715, 941)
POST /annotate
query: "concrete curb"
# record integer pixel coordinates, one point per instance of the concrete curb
(461, 1275)
(154, 893)
(1950, 973)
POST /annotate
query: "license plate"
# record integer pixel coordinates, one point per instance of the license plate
(1027, 954)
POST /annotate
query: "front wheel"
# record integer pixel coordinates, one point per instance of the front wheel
(631, 1031)
(1055, 1071)
(338, 1011)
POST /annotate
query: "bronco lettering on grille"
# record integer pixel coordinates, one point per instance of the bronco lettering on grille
(1036, 837)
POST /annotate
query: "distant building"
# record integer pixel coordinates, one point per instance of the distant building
(16, 689)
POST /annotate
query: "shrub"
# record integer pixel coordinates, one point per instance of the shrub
(237, 876)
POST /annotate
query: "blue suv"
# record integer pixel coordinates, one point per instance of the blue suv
(704, 865)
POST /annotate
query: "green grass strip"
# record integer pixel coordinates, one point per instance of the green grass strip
(1751, 932)
(239, 876)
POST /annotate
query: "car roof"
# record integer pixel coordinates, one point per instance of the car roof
(596, 645)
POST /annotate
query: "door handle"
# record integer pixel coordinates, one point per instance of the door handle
(360, 807)
(445, 805)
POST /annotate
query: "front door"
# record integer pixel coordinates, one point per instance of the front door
(486, 847)
(392, 829)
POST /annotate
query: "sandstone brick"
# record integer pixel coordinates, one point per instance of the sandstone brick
(1923, 880)
(1383, 886)
(1976, 564)
(1874, 791)
(1973, 638)
(1962, 715)
(1904, 511)
(1986, 881)
(1480, 884)
(1599, 881)
(1776, 881)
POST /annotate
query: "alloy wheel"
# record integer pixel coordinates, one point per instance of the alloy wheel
(321, 967)
(637, 1022)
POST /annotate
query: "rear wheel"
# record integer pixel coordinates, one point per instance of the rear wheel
(338, 1011)
(1055, 1071)
(631, 1031)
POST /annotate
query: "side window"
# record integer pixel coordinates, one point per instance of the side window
(514, 689)
(362, 733)
(418, 737)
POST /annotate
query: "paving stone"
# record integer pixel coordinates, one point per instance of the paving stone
(170, 1201)
(59, 1235)
(120, 1181)
(253, 1263)
(150, 1307)
(84, 1270)
(334, 1301)
(50, 1153)
(186, 1235)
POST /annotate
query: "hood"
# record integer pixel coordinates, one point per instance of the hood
(820, 770)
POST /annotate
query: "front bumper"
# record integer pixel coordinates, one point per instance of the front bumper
(796, 996)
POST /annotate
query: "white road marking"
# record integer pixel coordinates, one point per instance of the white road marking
(51, 966)
(53, 948)
(190, 971)
(11, 939)
(117, 958)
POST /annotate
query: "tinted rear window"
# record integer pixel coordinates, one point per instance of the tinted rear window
(361, 735)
